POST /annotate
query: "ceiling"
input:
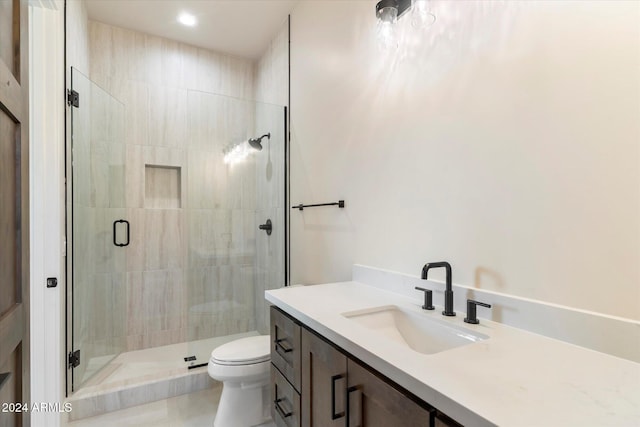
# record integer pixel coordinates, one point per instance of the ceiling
(237, 27)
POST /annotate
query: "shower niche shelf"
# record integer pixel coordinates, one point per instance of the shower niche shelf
(162, 187)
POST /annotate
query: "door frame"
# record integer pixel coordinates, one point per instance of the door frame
(46, 30)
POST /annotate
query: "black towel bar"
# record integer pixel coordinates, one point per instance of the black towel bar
(339, 203)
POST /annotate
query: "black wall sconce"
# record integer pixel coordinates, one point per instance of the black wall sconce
(389, 11)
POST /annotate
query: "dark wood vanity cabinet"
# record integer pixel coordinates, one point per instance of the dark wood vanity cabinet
(443, 421)
(324, 382)
(334, 389)
(339, 391)
(373, 402)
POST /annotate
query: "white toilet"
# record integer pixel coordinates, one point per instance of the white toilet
(243, 366)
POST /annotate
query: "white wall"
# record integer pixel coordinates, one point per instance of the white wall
(505, 140)
(46, 115)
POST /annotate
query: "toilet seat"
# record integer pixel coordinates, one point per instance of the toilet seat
(245, 351)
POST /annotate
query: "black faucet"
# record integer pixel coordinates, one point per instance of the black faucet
(448, 293)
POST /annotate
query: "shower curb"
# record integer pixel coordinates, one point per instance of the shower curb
(87, 404)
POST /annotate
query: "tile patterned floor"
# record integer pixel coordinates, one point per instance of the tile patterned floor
(189, 410)
(196, 409)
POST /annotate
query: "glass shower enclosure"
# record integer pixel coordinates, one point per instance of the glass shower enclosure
(98, 201)
(167, 247)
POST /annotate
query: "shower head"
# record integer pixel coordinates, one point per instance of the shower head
(256, 143)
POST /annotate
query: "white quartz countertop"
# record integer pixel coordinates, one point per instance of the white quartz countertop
(513, 378)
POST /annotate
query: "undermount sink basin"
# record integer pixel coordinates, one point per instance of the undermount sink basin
(414, 330)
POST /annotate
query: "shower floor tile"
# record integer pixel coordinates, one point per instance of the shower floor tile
(139, 366)
(140, 377)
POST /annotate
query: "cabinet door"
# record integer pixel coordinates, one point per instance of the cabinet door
(324, 380)
(372, 402)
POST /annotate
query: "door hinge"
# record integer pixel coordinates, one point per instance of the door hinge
(73, 98)
(74, 359)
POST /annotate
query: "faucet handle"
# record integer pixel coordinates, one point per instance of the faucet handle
(471, 311)
(428, 298)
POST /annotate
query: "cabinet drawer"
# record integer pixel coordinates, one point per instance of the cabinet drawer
(285, 346)
(285, 401)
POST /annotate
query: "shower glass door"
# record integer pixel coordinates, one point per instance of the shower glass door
(230, 260)
(100, 231)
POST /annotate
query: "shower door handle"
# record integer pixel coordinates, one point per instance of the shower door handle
(115, 229)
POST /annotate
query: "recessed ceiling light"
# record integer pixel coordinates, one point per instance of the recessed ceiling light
(187, 19)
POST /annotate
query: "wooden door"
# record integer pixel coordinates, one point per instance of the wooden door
(373, 402)
(14, 213)
(324, 379)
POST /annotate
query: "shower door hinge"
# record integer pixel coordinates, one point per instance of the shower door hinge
(73, 98)
(74, 359)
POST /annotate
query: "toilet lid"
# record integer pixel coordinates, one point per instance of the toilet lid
(244, 351)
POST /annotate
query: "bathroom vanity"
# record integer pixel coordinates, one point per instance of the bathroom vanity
(317, 383)
(351, 354)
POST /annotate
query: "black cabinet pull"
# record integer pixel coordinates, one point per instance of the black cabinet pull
(115, 240)
(335, 378)
(282, 348)
(281, 411)
(276, 402)
(350, 411)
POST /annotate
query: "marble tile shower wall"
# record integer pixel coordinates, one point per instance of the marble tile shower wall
(271, 86)
(189, 270)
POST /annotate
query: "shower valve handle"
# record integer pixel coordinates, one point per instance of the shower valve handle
(266, 227)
